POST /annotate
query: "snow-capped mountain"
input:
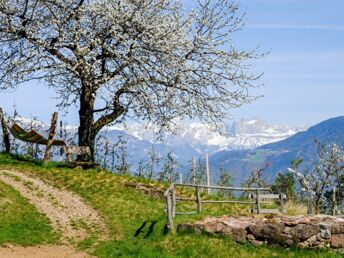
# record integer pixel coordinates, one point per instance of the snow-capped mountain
(243, 134)
(255, 132)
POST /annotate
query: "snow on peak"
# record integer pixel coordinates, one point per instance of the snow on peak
(242, 134)
(251, 122)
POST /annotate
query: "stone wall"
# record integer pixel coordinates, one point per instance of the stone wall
(302, 231)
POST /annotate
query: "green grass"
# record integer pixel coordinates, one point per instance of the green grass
(20, 222)
(125, 210)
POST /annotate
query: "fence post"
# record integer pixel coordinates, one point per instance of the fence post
(47, 154)
(310, 204)
(282, 203)
(169, 211)
(61, 136)
(334, 207)
(207, 172)
(198, 199)
(194, 170)
(257, 201)
(173, 201)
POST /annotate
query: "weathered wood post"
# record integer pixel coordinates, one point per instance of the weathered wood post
(169, 210)
(5, 133)
(334, 200)
(207, 171)
(174, 199)
(194, 170)
(61, 136)
(47, 154)
(281, 197)
(257, 201)
(180, 178)
(198, 199)
(310, 204)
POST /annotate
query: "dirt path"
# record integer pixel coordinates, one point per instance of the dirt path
(42, 252)
(68, 213)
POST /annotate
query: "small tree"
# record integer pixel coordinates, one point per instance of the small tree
(256, 179)
(142, 169)
(324, 175)
(153, 163)
(286, 184)
(225, 179)
(168, 171)
(197, 171)
(149, 59)
(123, 166)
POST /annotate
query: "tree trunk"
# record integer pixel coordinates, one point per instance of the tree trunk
(6, 134)
(88, 128)
(86, 132)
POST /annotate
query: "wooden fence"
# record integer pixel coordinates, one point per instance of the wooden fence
(257, 197)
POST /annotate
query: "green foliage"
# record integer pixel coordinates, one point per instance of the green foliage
(20, 222)
(285, 183)
(256, 177)
(225, 179)
(168, 172)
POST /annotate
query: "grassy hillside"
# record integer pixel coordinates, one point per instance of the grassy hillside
(20, 223)
(125, 210)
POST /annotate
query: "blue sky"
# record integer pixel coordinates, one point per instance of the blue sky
(303, 72)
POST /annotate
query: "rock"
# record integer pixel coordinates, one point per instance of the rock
(256, 242)
(325, 231)
(213, 228)
(337, 228)
(302, 232)
(337, 241)
(239, 235)
(266, 231)
(325, 234)
(189, 228)
(312, 241)
(156, 192)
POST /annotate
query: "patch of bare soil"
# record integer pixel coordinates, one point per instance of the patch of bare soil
(42, 252)
(68, 213)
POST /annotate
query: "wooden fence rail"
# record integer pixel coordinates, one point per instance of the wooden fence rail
(258, 196)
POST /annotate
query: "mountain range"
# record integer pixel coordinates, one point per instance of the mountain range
(193, 139)
(281, 153)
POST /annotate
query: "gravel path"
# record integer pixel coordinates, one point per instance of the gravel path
(68, 213)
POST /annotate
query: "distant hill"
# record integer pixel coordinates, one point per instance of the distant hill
(300, 145)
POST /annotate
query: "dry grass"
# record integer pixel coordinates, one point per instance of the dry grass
(295, 208)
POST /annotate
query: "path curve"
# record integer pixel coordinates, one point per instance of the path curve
(68, 213)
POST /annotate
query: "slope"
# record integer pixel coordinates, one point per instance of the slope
(126, 210)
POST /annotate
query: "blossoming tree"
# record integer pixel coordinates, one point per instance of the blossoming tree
(325, 175)
(147, 59)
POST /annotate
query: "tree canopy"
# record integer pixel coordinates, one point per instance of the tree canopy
(149, 59)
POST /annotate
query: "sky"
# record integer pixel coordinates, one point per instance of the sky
(303, 81)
